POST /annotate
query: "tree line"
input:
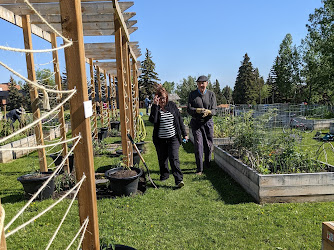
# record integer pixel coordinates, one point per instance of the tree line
(303, 73)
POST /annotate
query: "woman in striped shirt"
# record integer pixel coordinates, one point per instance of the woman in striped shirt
(168, 133)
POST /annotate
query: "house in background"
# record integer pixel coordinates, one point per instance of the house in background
(4, 92)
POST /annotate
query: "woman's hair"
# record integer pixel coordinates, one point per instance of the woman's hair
(162, 91)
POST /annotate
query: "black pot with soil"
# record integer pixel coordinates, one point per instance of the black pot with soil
(59, 158)
(114, 125)
(123, 182)
(32, 183)
(102, 134)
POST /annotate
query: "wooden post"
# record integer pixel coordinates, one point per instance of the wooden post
(129, 85)
(33, 91)
(59, 97)
(92, 82)
(122, 91)
(135, 83)
(106, 94)
(109, 101)
(3, 245)
(114, 97)
(71, 21)
(100, 94)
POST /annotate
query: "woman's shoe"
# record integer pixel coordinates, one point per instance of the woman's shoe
(181, 184)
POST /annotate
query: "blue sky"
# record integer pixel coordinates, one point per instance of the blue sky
(192, 37)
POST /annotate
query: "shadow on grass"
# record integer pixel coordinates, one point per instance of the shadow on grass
(188, 147)
(8, 196)
(229, 190)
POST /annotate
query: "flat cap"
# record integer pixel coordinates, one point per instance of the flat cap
(202, 79)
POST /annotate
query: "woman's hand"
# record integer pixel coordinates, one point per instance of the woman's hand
(156, 100)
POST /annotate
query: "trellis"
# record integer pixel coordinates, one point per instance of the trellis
(75, 19)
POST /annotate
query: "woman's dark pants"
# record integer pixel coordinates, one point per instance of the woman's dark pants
(169, 149)
(203, 142)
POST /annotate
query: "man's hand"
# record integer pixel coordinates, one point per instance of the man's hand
(200, 110)
(206, 112)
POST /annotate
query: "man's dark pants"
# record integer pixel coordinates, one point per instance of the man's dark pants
(203, 142)
(169, 149)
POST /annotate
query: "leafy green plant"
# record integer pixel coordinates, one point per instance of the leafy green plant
(270, 151)
(140, 129)
(65, 182)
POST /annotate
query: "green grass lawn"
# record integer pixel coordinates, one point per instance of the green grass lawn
(210, 212)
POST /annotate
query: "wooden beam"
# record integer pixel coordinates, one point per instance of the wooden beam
(85, 18)
(135, 82)
(100, 94)
(121, 90)
(83, 152)
(87, 8)
(119, 16)
(88, 26)
(9, 16)
(61, 117)
(105, 46)
(33, 92)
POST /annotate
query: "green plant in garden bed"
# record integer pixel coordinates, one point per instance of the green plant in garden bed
(269, 150)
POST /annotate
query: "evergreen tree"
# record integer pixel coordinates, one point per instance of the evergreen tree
(227, 93)
(169, 86)
(318, 54)
(185, 88)
(148, 79)
(14, 100)
(245, 91)
(219, 96)
(26, 102)
(286, 68)
(259, 84)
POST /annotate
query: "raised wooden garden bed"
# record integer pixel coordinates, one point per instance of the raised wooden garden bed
(313, 124)
(30, 141)
(271, 188)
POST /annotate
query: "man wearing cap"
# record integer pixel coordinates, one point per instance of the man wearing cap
(202, 106)
(14, 115)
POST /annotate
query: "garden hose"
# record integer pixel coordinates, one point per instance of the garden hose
(141, 131)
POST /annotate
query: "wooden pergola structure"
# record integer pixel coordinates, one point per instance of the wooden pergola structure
(75, 19)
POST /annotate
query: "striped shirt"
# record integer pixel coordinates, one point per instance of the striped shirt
(166, 128)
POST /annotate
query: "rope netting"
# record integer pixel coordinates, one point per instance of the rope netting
(47, 119)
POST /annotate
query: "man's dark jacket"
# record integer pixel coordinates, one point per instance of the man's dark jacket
(178, 122)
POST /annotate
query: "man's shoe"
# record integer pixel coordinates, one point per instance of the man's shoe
(199, 173)
(181, 184)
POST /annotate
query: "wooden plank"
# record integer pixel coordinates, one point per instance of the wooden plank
(83, 152)
(105, 46)
(88, 26)
(297, 190)
(9, 16)
(121, 90)
(296, 179)
(33, 92)
(61, 117)
(53, 8)
(85, 18)
(106, 32)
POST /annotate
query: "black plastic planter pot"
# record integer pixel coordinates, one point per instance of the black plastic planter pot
(140, 146)
(114, 125)
(32, 182)
(123, 186)
(102, 134)
(59, 158)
